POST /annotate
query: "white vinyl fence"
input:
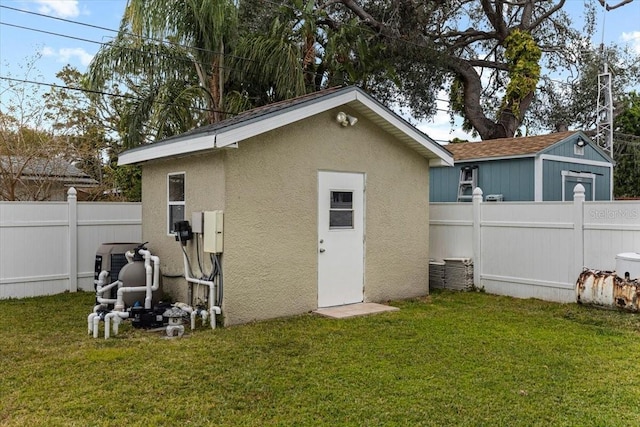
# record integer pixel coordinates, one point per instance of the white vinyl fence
(534, 249)
(49, 247)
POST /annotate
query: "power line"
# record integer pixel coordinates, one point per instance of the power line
(99, 92)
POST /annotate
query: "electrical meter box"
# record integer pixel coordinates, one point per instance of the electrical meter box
(196, 222)
(213, 231)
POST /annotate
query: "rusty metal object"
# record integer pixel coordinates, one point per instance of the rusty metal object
(607, 289)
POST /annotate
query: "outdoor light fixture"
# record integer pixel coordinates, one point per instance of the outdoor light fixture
(346, 120)
(581, 142)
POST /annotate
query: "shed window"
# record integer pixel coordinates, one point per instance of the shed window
(175, 200)
(341, 210)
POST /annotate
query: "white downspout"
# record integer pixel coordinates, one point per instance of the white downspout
(213, 309)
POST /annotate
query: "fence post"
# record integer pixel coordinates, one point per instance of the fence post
(477, 236)
(72, 202)
(578, 232)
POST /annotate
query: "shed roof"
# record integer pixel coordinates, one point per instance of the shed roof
(510, 147)
(263, 119)
(55, 169)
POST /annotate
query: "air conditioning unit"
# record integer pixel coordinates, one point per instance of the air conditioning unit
(110, 257)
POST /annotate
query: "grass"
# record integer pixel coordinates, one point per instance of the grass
(450, 359)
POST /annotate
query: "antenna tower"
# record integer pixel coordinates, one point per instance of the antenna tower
(604, 108)
(604, 125)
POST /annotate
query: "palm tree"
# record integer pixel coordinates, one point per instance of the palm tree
(181, 65)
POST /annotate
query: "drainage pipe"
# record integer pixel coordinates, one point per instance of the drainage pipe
(213, 309)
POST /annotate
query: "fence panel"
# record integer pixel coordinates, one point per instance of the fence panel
(49, 247)
(34, 251)
(450, 230)
(527, 250)
(533, 249)
(610, 229)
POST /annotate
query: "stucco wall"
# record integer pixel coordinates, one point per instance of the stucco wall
(267, 188)
(204, 190)
(270, 259)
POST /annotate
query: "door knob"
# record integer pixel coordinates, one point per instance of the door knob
(322, 250)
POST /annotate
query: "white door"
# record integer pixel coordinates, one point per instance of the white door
(340, 238)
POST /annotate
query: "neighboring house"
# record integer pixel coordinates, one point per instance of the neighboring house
(535, 168)
(40, 179)
(317, 212)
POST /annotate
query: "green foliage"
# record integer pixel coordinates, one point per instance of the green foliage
(127, 182)
(523, 59)
(626, 173)
(449, 359)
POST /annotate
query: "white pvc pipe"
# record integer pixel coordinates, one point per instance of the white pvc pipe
(117, 317)
(152, 281)
(101, 289)
(90, 321)
(195, 313)
(96, 326)
(213, 309)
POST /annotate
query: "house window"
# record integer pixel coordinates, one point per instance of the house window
(578, 150)
(341, 210)
(175, 199)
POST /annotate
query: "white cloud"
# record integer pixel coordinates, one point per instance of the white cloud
(634, 40)
(67, 55)
(47, 51)
(59, 8)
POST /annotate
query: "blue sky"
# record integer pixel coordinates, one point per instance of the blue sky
(17, 45)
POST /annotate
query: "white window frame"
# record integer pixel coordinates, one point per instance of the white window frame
(171, 203)
(586, 175)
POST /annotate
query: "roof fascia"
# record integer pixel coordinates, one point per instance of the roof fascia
(230, 136)
(485, 159)
(174, 148)
(410, 131)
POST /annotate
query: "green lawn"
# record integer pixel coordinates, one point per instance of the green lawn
(450, 359)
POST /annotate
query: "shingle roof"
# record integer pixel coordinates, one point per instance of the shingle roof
(263, 119)
(53, 168)
(254, 113)
(506, 147)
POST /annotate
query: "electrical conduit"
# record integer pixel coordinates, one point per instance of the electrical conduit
(213, 309)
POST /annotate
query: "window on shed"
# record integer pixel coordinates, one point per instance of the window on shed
(175, 200)
(341, 210)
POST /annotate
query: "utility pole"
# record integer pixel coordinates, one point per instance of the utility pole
(604, 126)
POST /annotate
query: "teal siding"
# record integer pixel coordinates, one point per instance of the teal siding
(513, 178)
(552, 179)
(566, 149)
(443, 184)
